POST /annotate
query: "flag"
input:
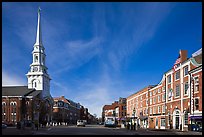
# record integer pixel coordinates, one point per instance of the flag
(178, 60)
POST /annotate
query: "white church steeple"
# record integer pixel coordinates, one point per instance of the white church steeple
(38, 77)
(39, 35)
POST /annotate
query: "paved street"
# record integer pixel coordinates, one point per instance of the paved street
(92, 130)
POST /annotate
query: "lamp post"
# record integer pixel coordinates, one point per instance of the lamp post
(134, 117)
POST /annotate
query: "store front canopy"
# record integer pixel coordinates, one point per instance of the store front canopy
(143, 117)
(195, 117)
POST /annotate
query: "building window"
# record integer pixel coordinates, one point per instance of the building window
(150, 101)
(154, 92)
(154, 100)
(150, 93)
(196, 88)
(159, 109)
(186, 71)
(169, 79)
(170, 93)
(177, 90)
(163, 97)
(186, 88)
(186, 118)
(163, 88)
(150, 110)
(177, 75)
(124, 107)
(3, 103)
(196, 104)
(159, 98)
(163, 109)
(154, 110)
(36, 58)
(146, 101)
(159, 90)
(196, 81)
(162, 121)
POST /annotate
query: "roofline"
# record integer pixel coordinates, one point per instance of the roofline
(193, 70)
(141, 90)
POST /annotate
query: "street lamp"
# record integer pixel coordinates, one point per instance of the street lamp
(134, 117)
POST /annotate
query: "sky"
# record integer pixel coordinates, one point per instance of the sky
(99, 52)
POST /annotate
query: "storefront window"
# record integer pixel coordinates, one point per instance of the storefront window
(186, 118)
(163, 122)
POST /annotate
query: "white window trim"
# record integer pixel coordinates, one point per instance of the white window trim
(159, 98)
(194, 103)
(187, 89)
(175, 77)
(196, 91)
(184, 71)
(179, 91)
(159, 107)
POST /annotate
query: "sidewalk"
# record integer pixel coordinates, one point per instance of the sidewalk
(142, 131)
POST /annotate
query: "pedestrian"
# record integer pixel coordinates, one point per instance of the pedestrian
(36, 124)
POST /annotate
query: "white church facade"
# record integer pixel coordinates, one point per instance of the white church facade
(32, 102)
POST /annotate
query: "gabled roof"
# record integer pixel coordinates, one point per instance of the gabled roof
(19, 91)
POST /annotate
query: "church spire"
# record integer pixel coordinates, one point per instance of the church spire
(38, 35)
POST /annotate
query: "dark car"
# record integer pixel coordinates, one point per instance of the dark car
(195, 127)
(3, 126)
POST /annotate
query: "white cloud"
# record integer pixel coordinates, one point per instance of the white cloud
(12, 80)
(76, 53)
(94, 94)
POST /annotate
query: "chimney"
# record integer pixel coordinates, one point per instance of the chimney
(183, 55)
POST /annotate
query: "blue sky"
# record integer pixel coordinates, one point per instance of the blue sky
(98, 52)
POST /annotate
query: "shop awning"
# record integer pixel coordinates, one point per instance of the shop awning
(143, 117)
(195, 117)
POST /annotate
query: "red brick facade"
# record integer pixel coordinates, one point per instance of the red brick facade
(175, 102)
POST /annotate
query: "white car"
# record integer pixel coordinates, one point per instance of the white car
(81, 123)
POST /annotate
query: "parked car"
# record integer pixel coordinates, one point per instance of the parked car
(3, 126)
(195, 127)
(81, 123)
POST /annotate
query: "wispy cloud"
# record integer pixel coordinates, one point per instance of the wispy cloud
(75, 53)
(93, 94)
(9, 79)
(147, 21)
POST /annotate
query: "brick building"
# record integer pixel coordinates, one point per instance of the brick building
(117, 109)
(65, 111)
(176, 101)
(22, 104)
(138, 106)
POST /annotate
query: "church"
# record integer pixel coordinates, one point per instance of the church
(32, 102)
